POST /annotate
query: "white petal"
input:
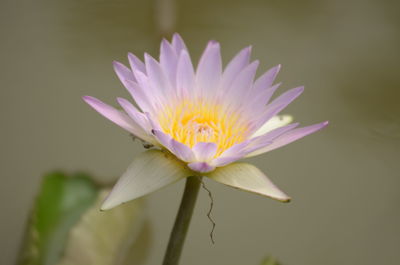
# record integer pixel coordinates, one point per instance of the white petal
(275, 122)
(249, 178)
(148, 172)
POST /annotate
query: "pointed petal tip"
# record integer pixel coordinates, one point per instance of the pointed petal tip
(213, 44)
(256, 63)
(321, 125)
(300, 89)
(131, 55)
(176, 35)
(164, 44)
(116, 64)
(106, 206)
(147, 56)
(109, 202)
(276, 69)
(86, 98)
(109, 205)
(122, 101)
(91, 100)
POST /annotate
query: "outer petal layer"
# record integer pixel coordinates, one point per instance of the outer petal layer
(149, 171)
(289, 137)
(273, 123)
(248, 178)
(116, 116)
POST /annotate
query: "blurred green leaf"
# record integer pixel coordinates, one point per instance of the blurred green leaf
(270, 261)
(66, 226)
(117, 236)
(60, 203)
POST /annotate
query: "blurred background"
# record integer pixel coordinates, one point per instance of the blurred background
(344, 180)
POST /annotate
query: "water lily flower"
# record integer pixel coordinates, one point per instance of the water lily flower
(201, 121)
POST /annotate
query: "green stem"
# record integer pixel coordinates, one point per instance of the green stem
(182, 221)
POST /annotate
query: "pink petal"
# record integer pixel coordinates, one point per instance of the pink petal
(232, 154)
(235, 66)
(269, 136)
(136, 63)
(279, 104)
(223, 161)
(202, 167)
(235, 150)
(156, 77)
(139, 95)
(135, 114)
(265, 81)
(168, 61)
(287, 97)
(241, 84)
(178, 43)
(208, 72)
(154, 96)
(262, 98)
(289, 137)
(204, 151)
(239, 151)
(153, 122)
(185, 75)
(116, 116)
(164, 139)
(182, 151)
(123, 72)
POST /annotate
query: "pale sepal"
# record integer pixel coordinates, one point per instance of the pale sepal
(149, 171)
(248, 178)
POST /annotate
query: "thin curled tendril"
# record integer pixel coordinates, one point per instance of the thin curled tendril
(210, 210)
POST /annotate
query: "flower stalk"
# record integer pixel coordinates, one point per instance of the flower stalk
(182, 221)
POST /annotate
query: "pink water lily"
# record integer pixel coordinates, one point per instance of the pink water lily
(201, 120)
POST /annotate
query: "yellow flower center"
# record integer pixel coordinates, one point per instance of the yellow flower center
(193, 122)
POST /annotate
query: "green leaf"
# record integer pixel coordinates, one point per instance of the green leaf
(59, 205)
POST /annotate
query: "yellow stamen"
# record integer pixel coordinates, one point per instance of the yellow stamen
(198, 121)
